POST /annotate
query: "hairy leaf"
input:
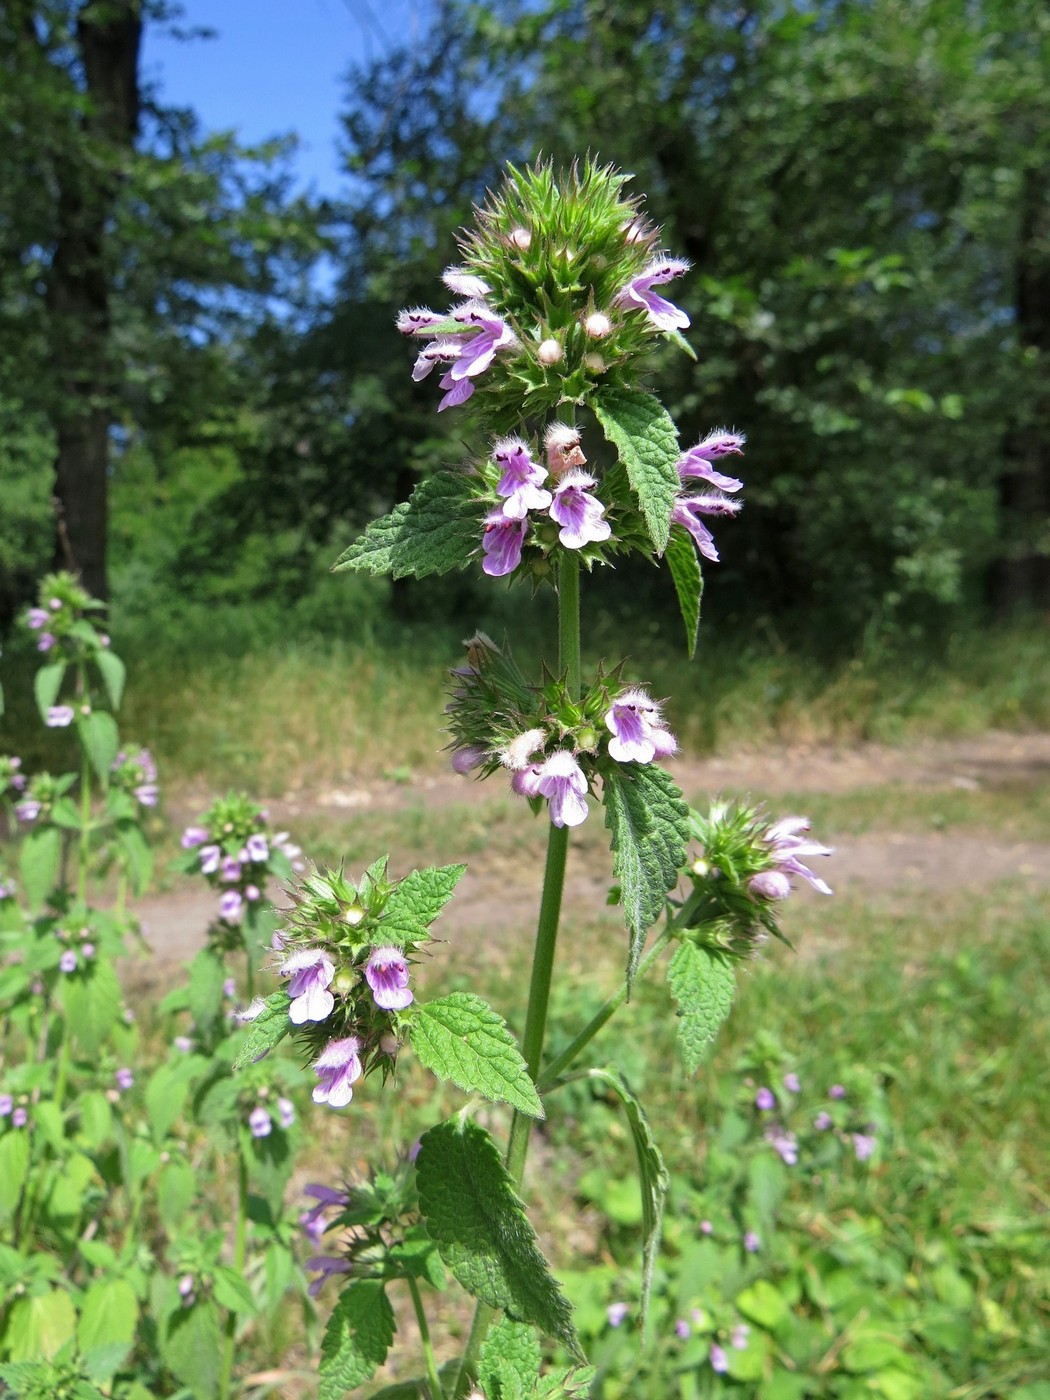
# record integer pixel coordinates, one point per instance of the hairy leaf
(39, 861)
(91, 1001)
(510, 1360)
(46, 684)
(267, 1030)
(356, 1340)
(473, 1212)
(416, 901)
(653, 1173)
(702, 982)
(435, 530)
(113, 673)
(646, 441)
(646, 814)
(101, 739)
(688, 581)
(460, 1037)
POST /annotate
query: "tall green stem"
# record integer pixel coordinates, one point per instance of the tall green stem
(84, 850)
(424, 1331)
(546, 933)
(240, 1243)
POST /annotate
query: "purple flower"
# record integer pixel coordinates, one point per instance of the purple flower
(59, 716)
(36, 618)
(770, 884)
(526, 781)
(258, 848)
(311, 971)
(464, 284)
(706, 1228)
(562, 782)
(616, 1312)
(194, 836)
(147, 794)
(46, 641)
(210, 857)
(456, 392)
(185, 1286)
(260, 1124)
(184, 1043)
(87, 950)
(578, 512)
(286, 1112)
(28, 809)
(823, 1121)
(638, 733)
(68, 961)
(124, 1077)
(521, 480)
(477, 353)
(562, 445)
(418, 320)
(467, 758)
(837, 1091)
(682, 1329)
(784, 1144)
(229, 870)
(7, 1103)
(229, 988)
(517, 756)
(765, 1099)
(441, 351)
(328, 1264)
(792, 1083)
(863, 1145)
(231, 907)
(752, 1243)
(337, 1067)
(501, 543)
(687, 511)
(788, 843)
(697, 461)
(719, 1360)
(739, 1337)
(313, 1220)
(19, 1118)
(386, 972)
(639, 294)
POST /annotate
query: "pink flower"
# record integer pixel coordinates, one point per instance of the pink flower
(562, 445)
(386, 972)
(579, 514)
(36, 618)
(718, 1358)
(639, 294)
(765, 1100)
(502, 543)
(521, 481)
(231, 907)
(562, 782)
(788, 843)
(337, 1067)
(194, 836)
(46, 641)
(258, 848)
(863, 1145)
(467, 758)
(209, 858)
(770, 884)
(616, 1312)
(229, 870)
(638, 733)
(479, 351)
(696, 462)
(311, 971)
(59, 716)
(260, 1124)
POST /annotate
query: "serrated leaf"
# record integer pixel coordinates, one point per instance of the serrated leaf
(356, 1340)
(437, 529)
(46, 684)
(460, 1037)
(471, 1209)
(190, 1347)
(205, 995)
(137, 857)
(114, 673)
(684, 564)
(91, 1000)
(14, 1167)
(416, 901)
(108, 1315)
(39, 1326)
(646, 441)
(647, 817)
(510, 1360)
(702, 982)
(232, 1293)
(101, 739)
(267, 1030)
(652, 1172)
(39, 862)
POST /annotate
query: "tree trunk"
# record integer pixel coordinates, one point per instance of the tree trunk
(108, 36)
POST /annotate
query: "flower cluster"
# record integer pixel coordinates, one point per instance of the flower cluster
(716, 490)
(66, 620)
(552, 745)
(12, 779)
(135, 773)
(234, 849)
(40, 795)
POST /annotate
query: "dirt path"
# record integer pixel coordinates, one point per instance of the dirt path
(497, 895)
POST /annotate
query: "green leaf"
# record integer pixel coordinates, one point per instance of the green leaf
(416, 901)
(702, 982)
(267, 1030)
(91, 1000)
(137, 856)
(684, 565)
(232, 1293)
(434, 531)
(102, 1362)
(40, 1326)
(510, 1360)
(207, 975)
(356, 1340)
(98, 733)
(473, 1212)
(113, 673)
(14, 1165)
(108, 1314)
(460, 1037)
(46, 685)
(191, 1349)
(165, 1096)
(39, 862)
(96, 1120)
(646, 441)
(176, 1186)
(647, 816)
(652, 1172)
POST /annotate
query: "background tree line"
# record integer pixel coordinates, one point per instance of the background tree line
(863, 187)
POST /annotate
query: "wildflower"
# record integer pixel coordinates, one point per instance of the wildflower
(562, 445)
(787, 842)
(313, 1222)
(863, 1145)
(792, 1083)
(441, 351)
(634, 721)
(616, 1312)
(193, 836)
(526, 781)
(229, 988)
(185, 1044)
(286, 1112)
(688, 509)
(697, 461)
(752, 1243)
(7, 1103)
(770, 884)
(337, 1068)
(260, 1124)
(682, 1329)
(418, 320)
(46, 641)
(88, 950)
(549, 352)
(468, 757)
(386, 972)
(739, 1336)
(464, 284)
(837, 1091)
(258, 848)
(252, 893)
(146, 794)
(706, 1228)
(578, 512)
(765, 1099)
(311, 971)
(784, 1144)
(68, 961)
(36, 618)
(19, 1118)
(186, 1292)
(456, 393)
(518, 753)
(719, 1360)
(597, 325)
(561, 781)
(639, 294)
(59, 716)
(521, 481)
(124, 1077)
(477, 353)
(231, 907)
(501, 543)
(823, 1121)
(210, 857)
(328, 1264)
(229, 870)
(28, 809)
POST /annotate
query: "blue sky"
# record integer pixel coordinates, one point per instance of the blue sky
(276, 66)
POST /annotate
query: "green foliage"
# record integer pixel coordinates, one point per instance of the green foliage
(460, 1037)
(473, 1212)
(356, 1340)
(703, 983)
(684, 567)
(434, 531)
(265, 1031)
(416, 901)
(646, 442)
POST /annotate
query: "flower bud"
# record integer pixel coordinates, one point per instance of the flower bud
(597, 325)
(520, 238)
(595, 363)
(562, 443)
(344, 981)
(389, 1043)
(354, 915)
(587, 739)
(549, 352)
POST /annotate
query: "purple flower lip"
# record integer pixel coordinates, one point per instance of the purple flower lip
(521, 481)
(194, 836)
(311, 971)
(258, 848)
(338, 1067)
(638, 733)
(562, 782)
(59, 716)
(260, 1124)
(580, 514)
(502, 544)
(386, 973)
(639, 294)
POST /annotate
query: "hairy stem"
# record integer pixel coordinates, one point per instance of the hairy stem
(240, 1240)
(433, 1378)
(84, 848)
